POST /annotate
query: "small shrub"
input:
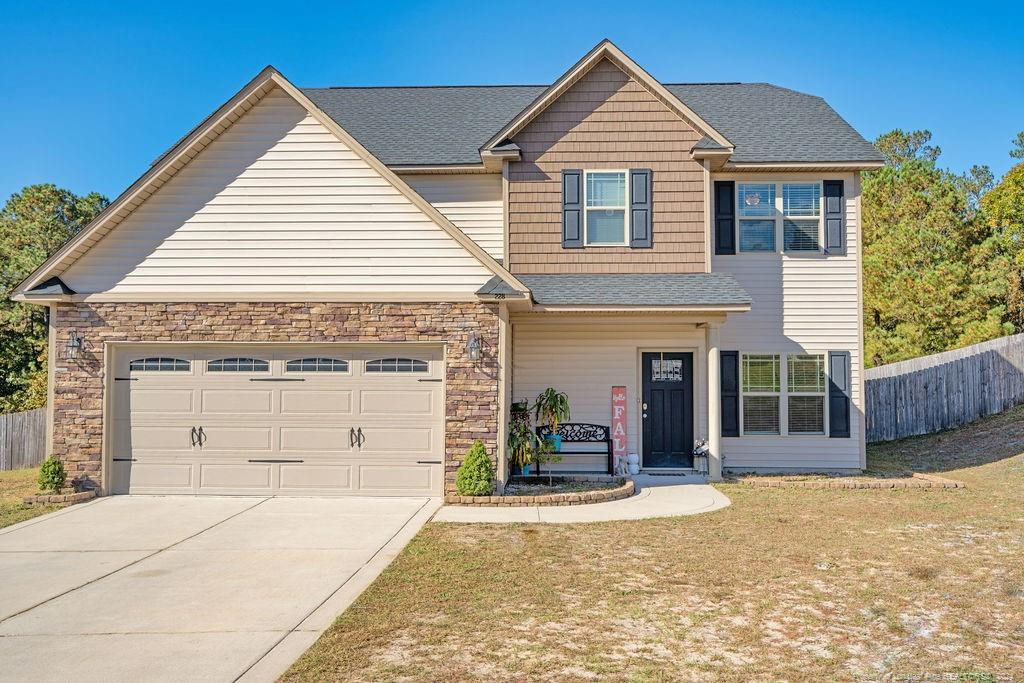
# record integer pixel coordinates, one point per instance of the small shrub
(52, 475)
(475, 476)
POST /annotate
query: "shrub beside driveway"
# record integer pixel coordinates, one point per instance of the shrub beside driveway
(787, 583)
(15, 485)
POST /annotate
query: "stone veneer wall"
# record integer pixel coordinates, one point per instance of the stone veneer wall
(471, 387)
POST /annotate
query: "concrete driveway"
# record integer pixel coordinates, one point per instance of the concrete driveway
(184, 588)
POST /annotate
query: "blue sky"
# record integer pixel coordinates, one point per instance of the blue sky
(92, 94)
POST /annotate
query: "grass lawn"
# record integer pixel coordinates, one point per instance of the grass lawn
(13, 486)
(786, 584)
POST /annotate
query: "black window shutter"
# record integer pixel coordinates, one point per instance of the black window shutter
(725, 217)
(641, 207)
(729, 362)
(572, 208)
(839, 394)
(835, 230)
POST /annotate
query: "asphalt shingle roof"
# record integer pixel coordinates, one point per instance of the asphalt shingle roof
(697, 289)
(448, 124)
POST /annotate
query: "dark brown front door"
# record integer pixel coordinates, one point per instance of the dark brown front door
(667, 409)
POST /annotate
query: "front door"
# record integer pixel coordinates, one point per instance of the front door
(667, 409)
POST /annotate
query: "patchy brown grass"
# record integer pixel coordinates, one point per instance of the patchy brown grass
(785, 584)
(14, 485)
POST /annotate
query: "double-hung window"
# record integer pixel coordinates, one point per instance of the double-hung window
(783, 393)
(757, 216)
(805, 393)
(801, 216)
(606, 215)
(762, 385)
(767, 212)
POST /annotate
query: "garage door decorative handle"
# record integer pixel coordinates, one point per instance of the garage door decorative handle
(202, 437)
(352, 437)
(360, 438)
(195, 437)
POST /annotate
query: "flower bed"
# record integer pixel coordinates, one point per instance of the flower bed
(577, 490)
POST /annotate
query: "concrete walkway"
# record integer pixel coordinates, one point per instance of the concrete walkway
(132, 588)
(658, 496)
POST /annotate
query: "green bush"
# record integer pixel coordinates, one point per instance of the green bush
(475, 476)
(52, 475)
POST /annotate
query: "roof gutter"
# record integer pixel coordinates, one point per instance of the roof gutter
(803, 165)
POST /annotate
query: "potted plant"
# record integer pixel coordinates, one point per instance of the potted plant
(521, 442)
(550, 408)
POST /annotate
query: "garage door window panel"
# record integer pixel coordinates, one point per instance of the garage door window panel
(316, 365)
(397, 365)
(238, 365)
(159, 364)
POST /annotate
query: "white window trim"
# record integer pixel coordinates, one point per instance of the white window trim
(784, 394)
(624, 208)
(823, 394)
(780, 218)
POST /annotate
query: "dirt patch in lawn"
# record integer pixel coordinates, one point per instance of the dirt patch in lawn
(785, 584)
(15, 485)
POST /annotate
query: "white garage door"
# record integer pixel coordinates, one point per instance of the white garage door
(311, 420)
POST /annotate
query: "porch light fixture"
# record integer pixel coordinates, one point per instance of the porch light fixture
(73, 346)
(474, 346)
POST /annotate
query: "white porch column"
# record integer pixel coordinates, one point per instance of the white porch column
(714, 404)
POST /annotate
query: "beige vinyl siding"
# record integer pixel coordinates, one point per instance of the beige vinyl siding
(588, 355)
(801, 304)
(472, 201)
(606, 120)
(277, 203)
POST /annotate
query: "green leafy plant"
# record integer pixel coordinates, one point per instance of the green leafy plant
(476, 475)
(52, 475)
(545, 454)
(551, 407)
(521, 442)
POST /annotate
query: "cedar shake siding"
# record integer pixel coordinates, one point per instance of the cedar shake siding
(471, 387)
(606, 121)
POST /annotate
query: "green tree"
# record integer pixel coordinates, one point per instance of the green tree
(33, 224)
(1003, 210)
(1018, 146)
(923, 239)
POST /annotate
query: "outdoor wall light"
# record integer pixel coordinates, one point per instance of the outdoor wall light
(474, 346)
(74, 345)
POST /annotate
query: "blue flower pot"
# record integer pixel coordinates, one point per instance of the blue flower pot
(526, 469)
(556, 442)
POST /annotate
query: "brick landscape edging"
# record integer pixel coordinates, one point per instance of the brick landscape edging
(915, 481)
(550, 499)
(53, 498)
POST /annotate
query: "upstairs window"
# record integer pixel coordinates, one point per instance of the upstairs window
(769, 212)
(756, 216)
(801, 216)
(605, 201)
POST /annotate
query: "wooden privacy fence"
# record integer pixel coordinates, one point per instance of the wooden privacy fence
(22, 439)
(945, 390)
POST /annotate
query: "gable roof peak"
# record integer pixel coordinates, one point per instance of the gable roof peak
(604, 50)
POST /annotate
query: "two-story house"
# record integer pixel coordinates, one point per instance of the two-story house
(337, 290)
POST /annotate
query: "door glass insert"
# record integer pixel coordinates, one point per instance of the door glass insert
(666, 370)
